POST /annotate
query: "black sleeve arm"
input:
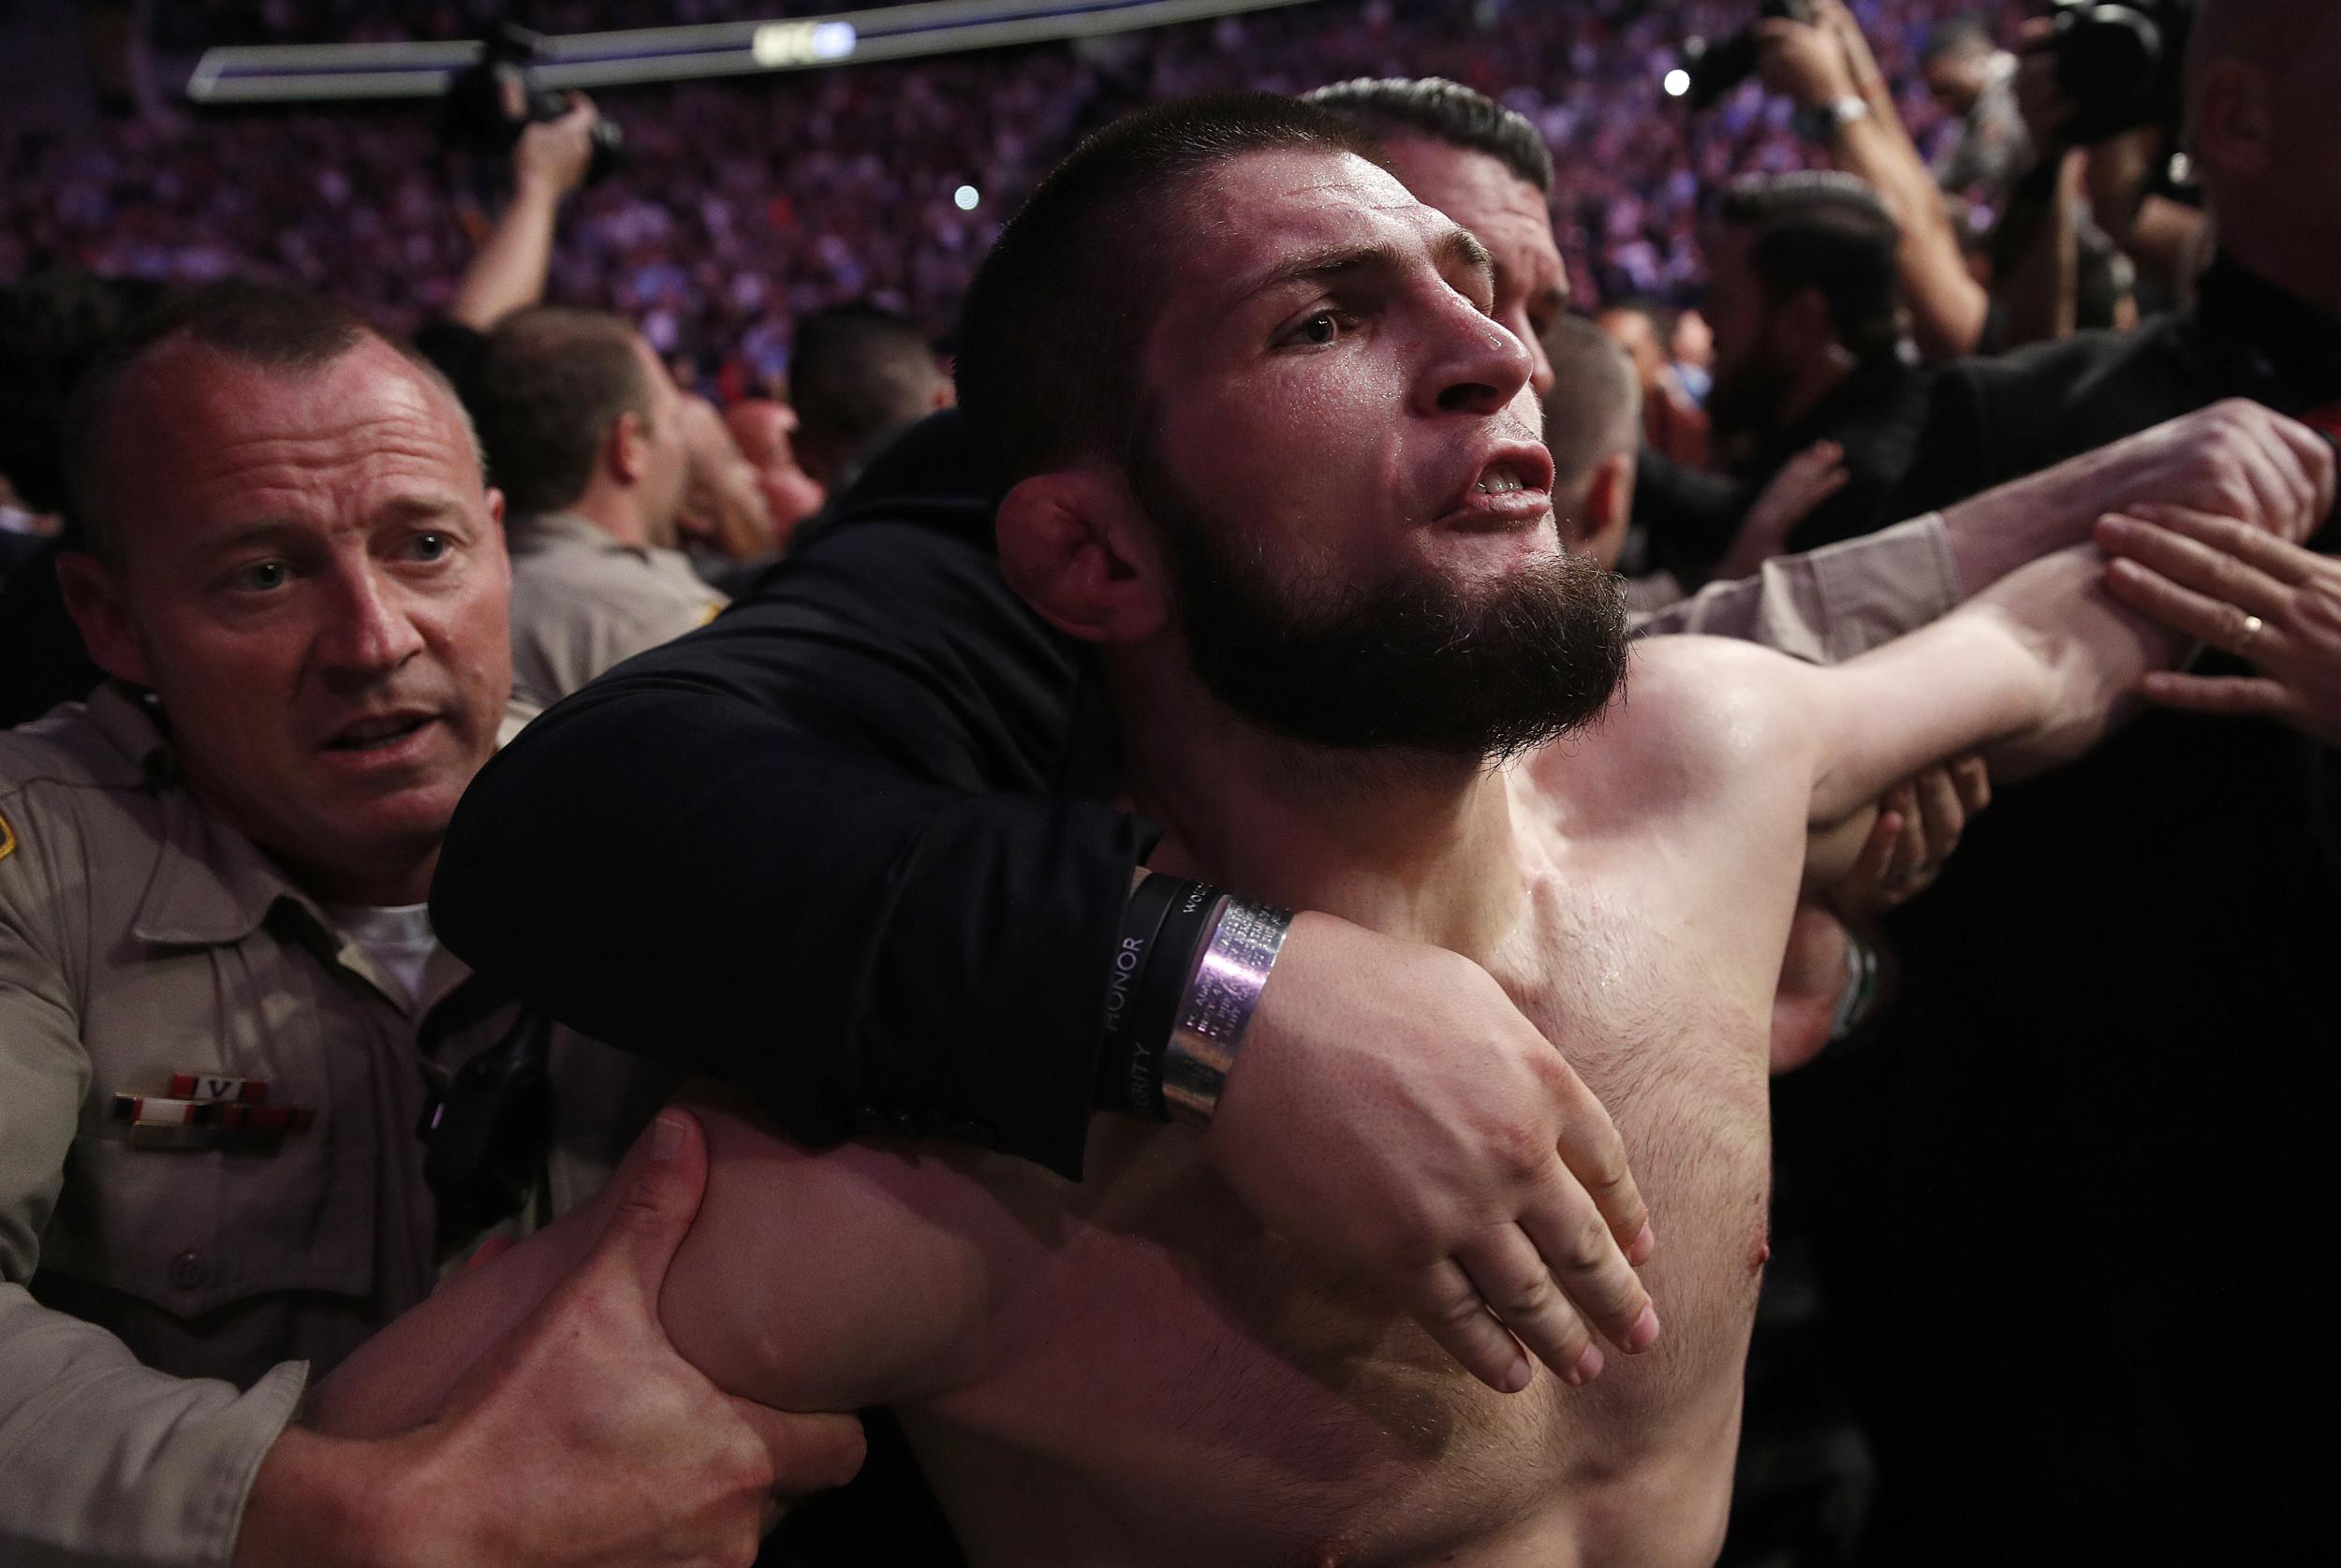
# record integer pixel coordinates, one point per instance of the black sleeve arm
(831, 848)
(1953, 460)
(1692, 517)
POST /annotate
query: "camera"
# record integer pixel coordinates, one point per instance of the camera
(487, 105)
(1715, 69)
(2120, 64)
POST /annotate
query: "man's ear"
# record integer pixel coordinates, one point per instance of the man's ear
(93, 598)
(1070, 543)
(622, 448)
(1608, 507)
(2231, 128)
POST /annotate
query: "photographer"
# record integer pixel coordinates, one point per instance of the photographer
(1825, 66)
(2171, 902)
(550, 159)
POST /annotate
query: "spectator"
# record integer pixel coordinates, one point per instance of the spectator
(861, 375)
(1974, 81)
(1802, 290)
(1674, 425)
(585, 433)
(764, 429)
(224, 1006)
(2073, 936)
(724, 517)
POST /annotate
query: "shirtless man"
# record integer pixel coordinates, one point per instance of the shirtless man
(1314, 535)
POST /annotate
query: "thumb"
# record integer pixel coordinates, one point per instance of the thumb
(664, 1176)
(809, 1453)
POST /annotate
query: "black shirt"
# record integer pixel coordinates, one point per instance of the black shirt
(1875, 416)
(844, 847)
(2076, 1199)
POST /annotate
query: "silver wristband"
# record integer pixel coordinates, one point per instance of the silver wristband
(1218, 1002)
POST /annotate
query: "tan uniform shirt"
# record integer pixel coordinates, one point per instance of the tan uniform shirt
(583, 601)
(161, 1305)
(1829, 603)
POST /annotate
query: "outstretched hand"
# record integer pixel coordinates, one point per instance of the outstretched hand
(1393, 1114)
(578, 1436)
(2239, 588)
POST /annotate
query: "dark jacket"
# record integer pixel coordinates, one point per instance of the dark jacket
(914, 936)
(2075, 1203)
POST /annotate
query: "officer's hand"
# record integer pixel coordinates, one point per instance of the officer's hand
(584, 1438)
(1391, 1112)
(551, 155)
(2234, 459)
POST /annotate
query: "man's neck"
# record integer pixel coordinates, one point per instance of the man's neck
(616, 515)
(1405, 844)
(2312, 280)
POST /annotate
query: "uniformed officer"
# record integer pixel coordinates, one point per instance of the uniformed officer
(586, 434)
(215, 973)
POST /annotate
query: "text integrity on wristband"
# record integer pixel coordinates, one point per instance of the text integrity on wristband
(1164, 928)
(1219, 1003)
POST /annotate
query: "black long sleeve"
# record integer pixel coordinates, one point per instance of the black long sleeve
(844, 847)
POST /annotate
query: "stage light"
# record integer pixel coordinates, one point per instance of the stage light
(965, 197)
(1678, 82)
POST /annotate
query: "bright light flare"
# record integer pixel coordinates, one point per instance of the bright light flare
(965, 197)
(1677, 82)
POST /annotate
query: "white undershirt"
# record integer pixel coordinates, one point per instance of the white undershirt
(399, 938)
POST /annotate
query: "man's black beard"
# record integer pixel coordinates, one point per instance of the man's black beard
(1746, 402)
(1411, 663)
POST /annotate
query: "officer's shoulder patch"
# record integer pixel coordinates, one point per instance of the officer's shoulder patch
(7, 838)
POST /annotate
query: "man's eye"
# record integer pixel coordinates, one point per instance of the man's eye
(431, 546)
(263, 575)
(1317, 330)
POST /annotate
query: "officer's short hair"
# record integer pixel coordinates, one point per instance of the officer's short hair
(1055, 322)
(856, 374)
(268, 326)
(1394, 108)
(552, 382)
(1593, 411)
(1827, 230)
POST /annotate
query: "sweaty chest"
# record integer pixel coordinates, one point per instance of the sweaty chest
(1302, 1407)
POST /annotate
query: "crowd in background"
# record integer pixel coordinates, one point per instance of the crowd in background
(692, 381)
(746, 205)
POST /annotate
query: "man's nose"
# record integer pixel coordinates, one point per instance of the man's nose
(1479, 365)
(368, 628)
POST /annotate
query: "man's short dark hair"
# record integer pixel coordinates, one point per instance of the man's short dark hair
(1593, 411)
(1394, 108)
(1828, 231)
(856, 374)
(1961, 38)
(1055, 322)
(554, 379)
(268, 326)
(52, 328)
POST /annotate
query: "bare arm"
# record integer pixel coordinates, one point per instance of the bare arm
(2032, 673)
(508, 273)
(1948, 306)
(534, 1412)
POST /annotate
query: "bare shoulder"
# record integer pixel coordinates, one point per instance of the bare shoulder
(1699, 716)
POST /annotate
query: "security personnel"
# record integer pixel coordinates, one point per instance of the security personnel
(2125, 981)
(224, 1014)
(586, 435)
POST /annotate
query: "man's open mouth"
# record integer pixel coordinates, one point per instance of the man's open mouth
(369, 734)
